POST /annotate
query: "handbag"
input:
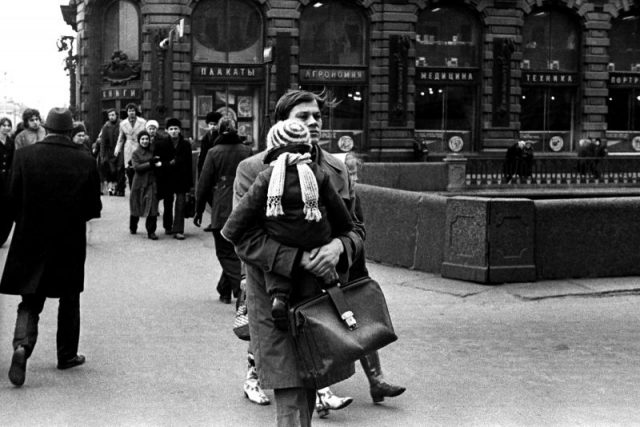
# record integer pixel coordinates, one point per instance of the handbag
(241, 320)
(340, 326)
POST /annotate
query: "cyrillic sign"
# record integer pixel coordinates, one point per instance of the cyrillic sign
(227, 72)
(446, 75)
(624, 79)
(550, 78)
(121, 93)
(333, 75)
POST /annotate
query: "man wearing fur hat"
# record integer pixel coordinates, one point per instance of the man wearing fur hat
(174, 178)
(54, 191)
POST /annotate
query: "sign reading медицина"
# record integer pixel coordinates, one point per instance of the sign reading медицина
(227, 72)
(446, 75)
(121, 93)
(333, 75)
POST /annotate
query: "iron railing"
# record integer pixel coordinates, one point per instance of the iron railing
(481, 172)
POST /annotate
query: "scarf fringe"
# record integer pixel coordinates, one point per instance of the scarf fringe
(308, 186)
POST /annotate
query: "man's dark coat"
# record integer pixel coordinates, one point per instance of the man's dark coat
(54, 190)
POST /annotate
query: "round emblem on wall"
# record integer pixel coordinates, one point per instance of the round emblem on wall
(345, 143)
(556, 143)
(455, 144)
(635, 143)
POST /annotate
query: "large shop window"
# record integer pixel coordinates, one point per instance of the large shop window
(447, 70)
(332, 33)
(227, 31)
(623, 117)
(550, 80)
(333, 59)
(121, 30)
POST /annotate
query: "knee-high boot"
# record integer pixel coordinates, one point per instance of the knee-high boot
(379, 387)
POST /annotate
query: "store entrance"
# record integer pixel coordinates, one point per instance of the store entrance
(239, 102)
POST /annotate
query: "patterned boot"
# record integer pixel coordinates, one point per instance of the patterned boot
(251, 386)
(325, 400)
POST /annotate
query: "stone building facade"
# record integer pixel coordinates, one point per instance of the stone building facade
(468, 76)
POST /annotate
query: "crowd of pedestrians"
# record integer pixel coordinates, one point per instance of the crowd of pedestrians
(292, 206)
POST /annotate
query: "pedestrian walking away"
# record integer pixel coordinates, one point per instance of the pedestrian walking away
(7, 149)
(54, 190)
(215, 186)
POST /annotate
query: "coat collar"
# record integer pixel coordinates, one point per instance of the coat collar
(60, 140)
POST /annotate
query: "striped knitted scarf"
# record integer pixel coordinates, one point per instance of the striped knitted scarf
(308, 185)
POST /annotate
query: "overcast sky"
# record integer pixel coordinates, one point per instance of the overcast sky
(31, 68)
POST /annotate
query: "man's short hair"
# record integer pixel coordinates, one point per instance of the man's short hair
(294, 97)
(226, 124)
(29, 113)
(112, 110)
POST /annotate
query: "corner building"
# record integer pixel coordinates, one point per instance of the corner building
(465, 76)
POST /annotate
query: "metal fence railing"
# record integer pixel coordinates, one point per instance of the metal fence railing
(482, 172)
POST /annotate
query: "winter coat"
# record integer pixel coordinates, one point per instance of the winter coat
(205, 146)
(7, 151)
(173, 178)
(215, 184)
(276, 360)
(54, 191)
(108, 139)
(129, 137)
(29, 137)
(144, 192)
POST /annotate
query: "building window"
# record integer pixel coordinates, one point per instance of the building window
(624, 51)
(550, 79)
(550, 41)
(333, 60)
(121, 30)
(332, 33)
(624, 74)
(227, 31)
(447, 37)
(447, 74)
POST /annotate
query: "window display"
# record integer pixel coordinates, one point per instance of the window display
(447, 77)
(550, 81)
(241, 103)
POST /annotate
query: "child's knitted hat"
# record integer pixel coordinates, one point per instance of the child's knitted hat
(287, 132)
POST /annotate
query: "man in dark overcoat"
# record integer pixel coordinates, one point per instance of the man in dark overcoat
(54, 190)
(174, 177)
(107, 140)
(215, 185)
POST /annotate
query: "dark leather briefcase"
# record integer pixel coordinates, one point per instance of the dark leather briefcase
(340, 326)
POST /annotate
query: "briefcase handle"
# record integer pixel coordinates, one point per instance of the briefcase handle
(337, 297)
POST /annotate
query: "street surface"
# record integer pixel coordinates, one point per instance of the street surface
(160, 350)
